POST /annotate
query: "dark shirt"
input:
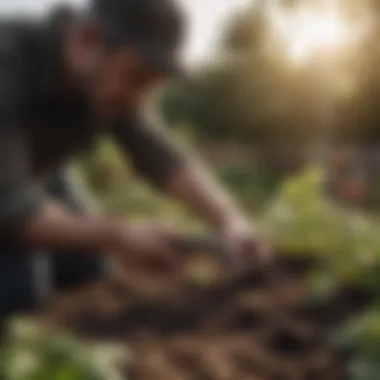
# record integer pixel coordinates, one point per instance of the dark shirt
(42, 125)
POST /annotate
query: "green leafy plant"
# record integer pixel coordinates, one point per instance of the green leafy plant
(302, 219)
(34, 352)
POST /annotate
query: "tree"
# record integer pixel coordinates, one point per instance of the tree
(254, 95)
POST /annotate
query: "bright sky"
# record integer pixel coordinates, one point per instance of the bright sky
(206, 18)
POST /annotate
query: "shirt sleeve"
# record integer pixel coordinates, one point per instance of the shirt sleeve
(154, 154)
(19, 197)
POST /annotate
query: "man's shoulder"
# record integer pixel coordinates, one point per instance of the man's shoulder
(14, 36)
(15, 60)
(19, 50)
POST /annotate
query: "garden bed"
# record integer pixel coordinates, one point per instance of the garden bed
(202, 322)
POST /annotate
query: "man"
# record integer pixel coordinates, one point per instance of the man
(61, 85)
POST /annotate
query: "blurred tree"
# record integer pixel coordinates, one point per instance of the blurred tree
(253, 94)
(250, 95)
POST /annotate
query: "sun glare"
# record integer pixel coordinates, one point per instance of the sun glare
(316, 32)
(307, 30)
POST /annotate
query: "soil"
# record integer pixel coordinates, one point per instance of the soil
(202, 322)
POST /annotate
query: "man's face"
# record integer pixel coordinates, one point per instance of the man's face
(116, 80)
(123, 81)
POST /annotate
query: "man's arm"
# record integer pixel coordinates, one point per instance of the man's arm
(27, 217)
(161, 160)
(195, 186)
(179, 175)
(54, 227)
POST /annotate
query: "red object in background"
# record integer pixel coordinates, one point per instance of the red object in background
(355, 190)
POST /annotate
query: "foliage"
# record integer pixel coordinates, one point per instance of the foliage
(301, 218)
(252, 186)
(361, 338)
(257, 93)
(104, 168)
(34, 352)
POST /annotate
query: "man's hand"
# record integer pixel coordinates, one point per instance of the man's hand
(147, 244)
(197, 189)
(56, 228)
(245, 243)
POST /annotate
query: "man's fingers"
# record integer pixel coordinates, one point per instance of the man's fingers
(162, 256)
(248, 250)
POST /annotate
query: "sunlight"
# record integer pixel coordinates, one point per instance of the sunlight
(308, 30)
(316, 31)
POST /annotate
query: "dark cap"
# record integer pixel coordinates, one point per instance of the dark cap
(155, 27)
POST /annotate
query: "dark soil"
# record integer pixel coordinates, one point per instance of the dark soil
(259, 325)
